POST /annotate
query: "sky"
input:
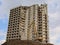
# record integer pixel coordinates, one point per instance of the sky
(53, 13)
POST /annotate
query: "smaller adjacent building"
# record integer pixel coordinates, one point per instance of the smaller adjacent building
(24, 42)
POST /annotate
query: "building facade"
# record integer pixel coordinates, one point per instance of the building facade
(28, 23)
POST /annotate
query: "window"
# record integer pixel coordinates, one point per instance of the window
(39, 33)
(40, 27)
(46, 41)
(40, 40)
(17, 28)
(16, 36)
(23, 30)
(17, 33)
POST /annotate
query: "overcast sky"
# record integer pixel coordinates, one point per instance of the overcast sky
(53, 13)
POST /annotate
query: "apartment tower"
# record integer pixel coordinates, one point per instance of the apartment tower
(29, 23)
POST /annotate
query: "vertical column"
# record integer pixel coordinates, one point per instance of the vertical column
(44, 23)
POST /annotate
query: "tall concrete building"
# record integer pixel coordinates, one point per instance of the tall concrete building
(29, 23)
